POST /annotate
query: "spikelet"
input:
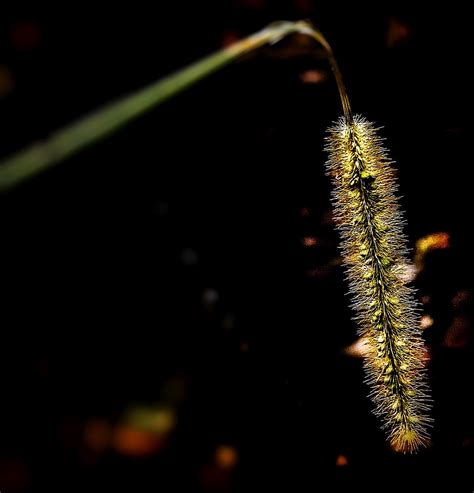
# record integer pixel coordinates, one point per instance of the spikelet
(375, 256)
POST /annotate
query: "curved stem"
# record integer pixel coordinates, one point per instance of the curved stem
(306, 28)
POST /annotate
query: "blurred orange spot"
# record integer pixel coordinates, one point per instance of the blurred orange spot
(25, 35)
(426, 322)
(309, 241)
(97, 434)
(359, 349)
(341, 460)
(226, 456)
(305, 211)
(424, 245)
(313, 76)
(134, 442)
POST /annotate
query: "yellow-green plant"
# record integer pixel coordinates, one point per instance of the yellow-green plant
(374, 252)
(366, 211)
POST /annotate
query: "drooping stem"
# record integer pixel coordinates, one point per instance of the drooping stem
(310, 30)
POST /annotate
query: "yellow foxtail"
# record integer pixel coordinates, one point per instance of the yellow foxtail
(374, 252)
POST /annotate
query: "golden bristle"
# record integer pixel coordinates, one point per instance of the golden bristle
(374, 253)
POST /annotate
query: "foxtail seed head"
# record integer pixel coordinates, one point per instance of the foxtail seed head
(374, 253)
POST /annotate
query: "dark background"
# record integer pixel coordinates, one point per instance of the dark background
(187, 267)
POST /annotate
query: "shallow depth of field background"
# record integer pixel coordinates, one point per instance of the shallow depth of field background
(173, 309)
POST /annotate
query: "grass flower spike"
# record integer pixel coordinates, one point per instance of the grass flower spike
(375, 256)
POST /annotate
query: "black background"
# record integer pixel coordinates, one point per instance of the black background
(122, 267)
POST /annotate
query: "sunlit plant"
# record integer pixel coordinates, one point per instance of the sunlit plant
(374, 253)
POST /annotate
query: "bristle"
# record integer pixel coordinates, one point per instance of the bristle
(375, 256)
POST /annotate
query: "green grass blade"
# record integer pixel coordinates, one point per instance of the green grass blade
(106, 120)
